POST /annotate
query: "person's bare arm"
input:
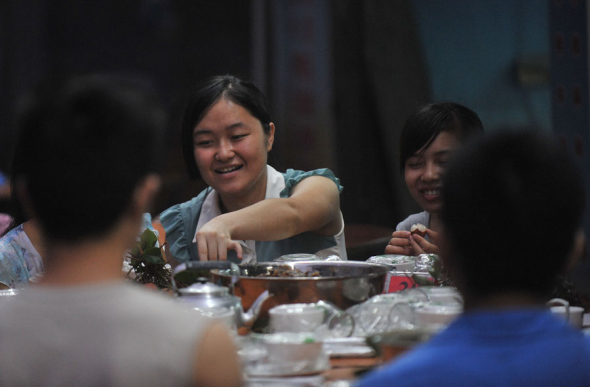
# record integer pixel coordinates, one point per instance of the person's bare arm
(313, 206)
(216, 362)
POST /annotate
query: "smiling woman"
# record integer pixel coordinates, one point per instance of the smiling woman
(427, 141)
(230, 151)
(250, 212)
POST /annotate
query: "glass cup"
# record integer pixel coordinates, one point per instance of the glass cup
(573, 314)
(296, 318)
(322, 318)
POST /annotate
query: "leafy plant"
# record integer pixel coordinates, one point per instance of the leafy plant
(149, 263)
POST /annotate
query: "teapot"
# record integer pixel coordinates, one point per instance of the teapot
(215, 300)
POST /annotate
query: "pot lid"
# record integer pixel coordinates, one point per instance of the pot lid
(204, 288)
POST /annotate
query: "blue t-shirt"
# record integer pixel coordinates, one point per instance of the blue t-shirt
(528, 347)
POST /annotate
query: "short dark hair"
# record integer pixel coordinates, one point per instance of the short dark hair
(422, 128)
(512, 206)
(205, 95)
(95, 138)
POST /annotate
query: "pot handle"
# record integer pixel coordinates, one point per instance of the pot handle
(207, 266)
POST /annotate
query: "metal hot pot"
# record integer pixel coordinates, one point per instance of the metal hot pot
(343, 283)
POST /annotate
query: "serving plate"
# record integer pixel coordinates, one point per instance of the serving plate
(288, 369)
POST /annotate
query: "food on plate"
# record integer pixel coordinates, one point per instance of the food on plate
(286, 271)
(418, 229)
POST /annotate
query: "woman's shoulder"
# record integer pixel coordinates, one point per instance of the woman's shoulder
(299, 175)
(179, 223)
(293, 176)
(13, 268)
(12, 237)
(183, 210)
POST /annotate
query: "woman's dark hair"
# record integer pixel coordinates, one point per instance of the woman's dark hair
(422, 128)
(206, 94)
(92, 142)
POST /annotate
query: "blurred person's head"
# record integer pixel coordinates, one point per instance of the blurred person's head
(207, 94)
(91, 143)
(427, 141)
(512, 213)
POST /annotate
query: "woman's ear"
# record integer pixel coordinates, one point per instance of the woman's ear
(270, 138)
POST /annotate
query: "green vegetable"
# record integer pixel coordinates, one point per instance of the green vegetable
(148, 261)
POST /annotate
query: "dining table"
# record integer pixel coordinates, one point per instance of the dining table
(342, 372)
(348, 362)
(350, 368)
(346, 369)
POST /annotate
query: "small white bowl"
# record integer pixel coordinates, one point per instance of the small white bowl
(575, 317)
(292, 347)
(437, 314)
(296, 317)
(443, 294)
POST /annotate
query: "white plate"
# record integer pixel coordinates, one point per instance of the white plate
(299, 381)
(348, 347)
(272, 369)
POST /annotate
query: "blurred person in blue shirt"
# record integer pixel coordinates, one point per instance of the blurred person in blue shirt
(512, 211)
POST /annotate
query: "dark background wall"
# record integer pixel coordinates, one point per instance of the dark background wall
(168, 44)
(342, 75)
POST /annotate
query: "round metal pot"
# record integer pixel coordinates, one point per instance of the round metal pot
(344, 284)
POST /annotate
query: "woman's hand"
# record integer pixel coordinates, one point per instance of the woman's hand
(404, 243)
(399, 243)
(421, 246)
(214, 239)
(313, 206)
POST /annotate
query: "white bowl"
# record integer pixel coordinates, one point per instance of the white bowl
(292, 347)
(296, 317)
(576, 314)
(437, 314)
(443, 294)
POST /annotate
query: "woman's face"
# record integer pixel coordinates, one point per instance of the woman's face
(423, 171)
(230, 149)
